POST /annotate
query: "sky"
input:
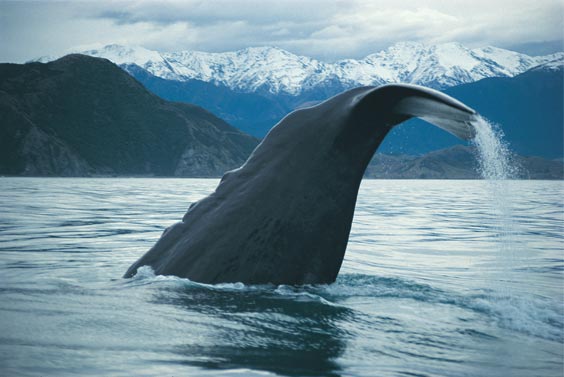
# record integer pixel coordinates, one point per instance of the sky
(324, 29)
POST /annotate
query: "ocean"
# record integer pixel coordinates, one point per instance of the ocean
(440, 278)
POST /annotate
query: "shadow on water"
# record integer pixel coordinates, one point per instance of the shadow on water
(290, 333)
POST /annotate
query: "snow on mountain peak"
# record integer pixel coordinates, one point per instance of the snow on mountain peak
(275, 70)
(552, 65)
(126, 54)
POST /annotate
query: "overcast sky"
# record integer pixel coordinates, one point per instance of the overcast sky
(325, 29)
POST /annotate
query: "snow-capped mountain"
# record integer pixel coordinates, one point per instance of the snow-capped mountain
(276, 71)
(552, 65)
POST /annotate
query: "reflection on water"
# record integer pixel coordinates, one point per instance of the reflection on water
(425, 288)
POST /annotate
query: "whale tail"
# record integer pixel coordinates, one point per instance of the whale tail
(430, 105)
(284, 217)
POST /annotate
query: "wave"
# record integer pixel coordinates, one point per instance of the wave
(531, 315)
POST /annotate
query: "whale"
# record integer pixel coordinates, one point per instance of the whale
(284, 216)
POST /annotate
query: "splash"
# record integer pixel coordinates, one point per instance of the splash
(497, 168)
(494, 157)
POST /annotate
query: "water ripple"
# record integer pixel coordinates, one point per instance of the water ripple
(432, 284)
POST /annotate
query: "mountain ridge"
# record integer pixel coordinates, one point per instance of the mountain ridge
(529, 117)
(272, 70)
(82, 116)
(456, 162)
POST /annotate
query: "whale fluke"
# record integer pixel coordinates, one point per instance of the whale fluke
(284, 217)
(438, 109)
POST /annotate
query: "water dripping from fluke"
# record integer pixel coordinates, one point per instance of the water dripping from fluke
(496, 166)
(494, 157)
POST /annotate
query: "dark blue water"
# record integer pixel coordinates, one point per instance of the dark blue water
(440, 278)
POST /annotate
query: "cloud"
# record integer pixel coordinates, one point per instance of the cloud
(200, 12)
(326, 29)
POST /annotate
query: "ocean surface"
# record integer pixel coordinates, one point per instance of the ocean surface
(441, 278)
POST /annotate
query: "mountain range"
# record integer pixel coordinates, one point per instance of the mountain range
(276, 71)
(254, 88)
(457, 162)
(84, 116)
